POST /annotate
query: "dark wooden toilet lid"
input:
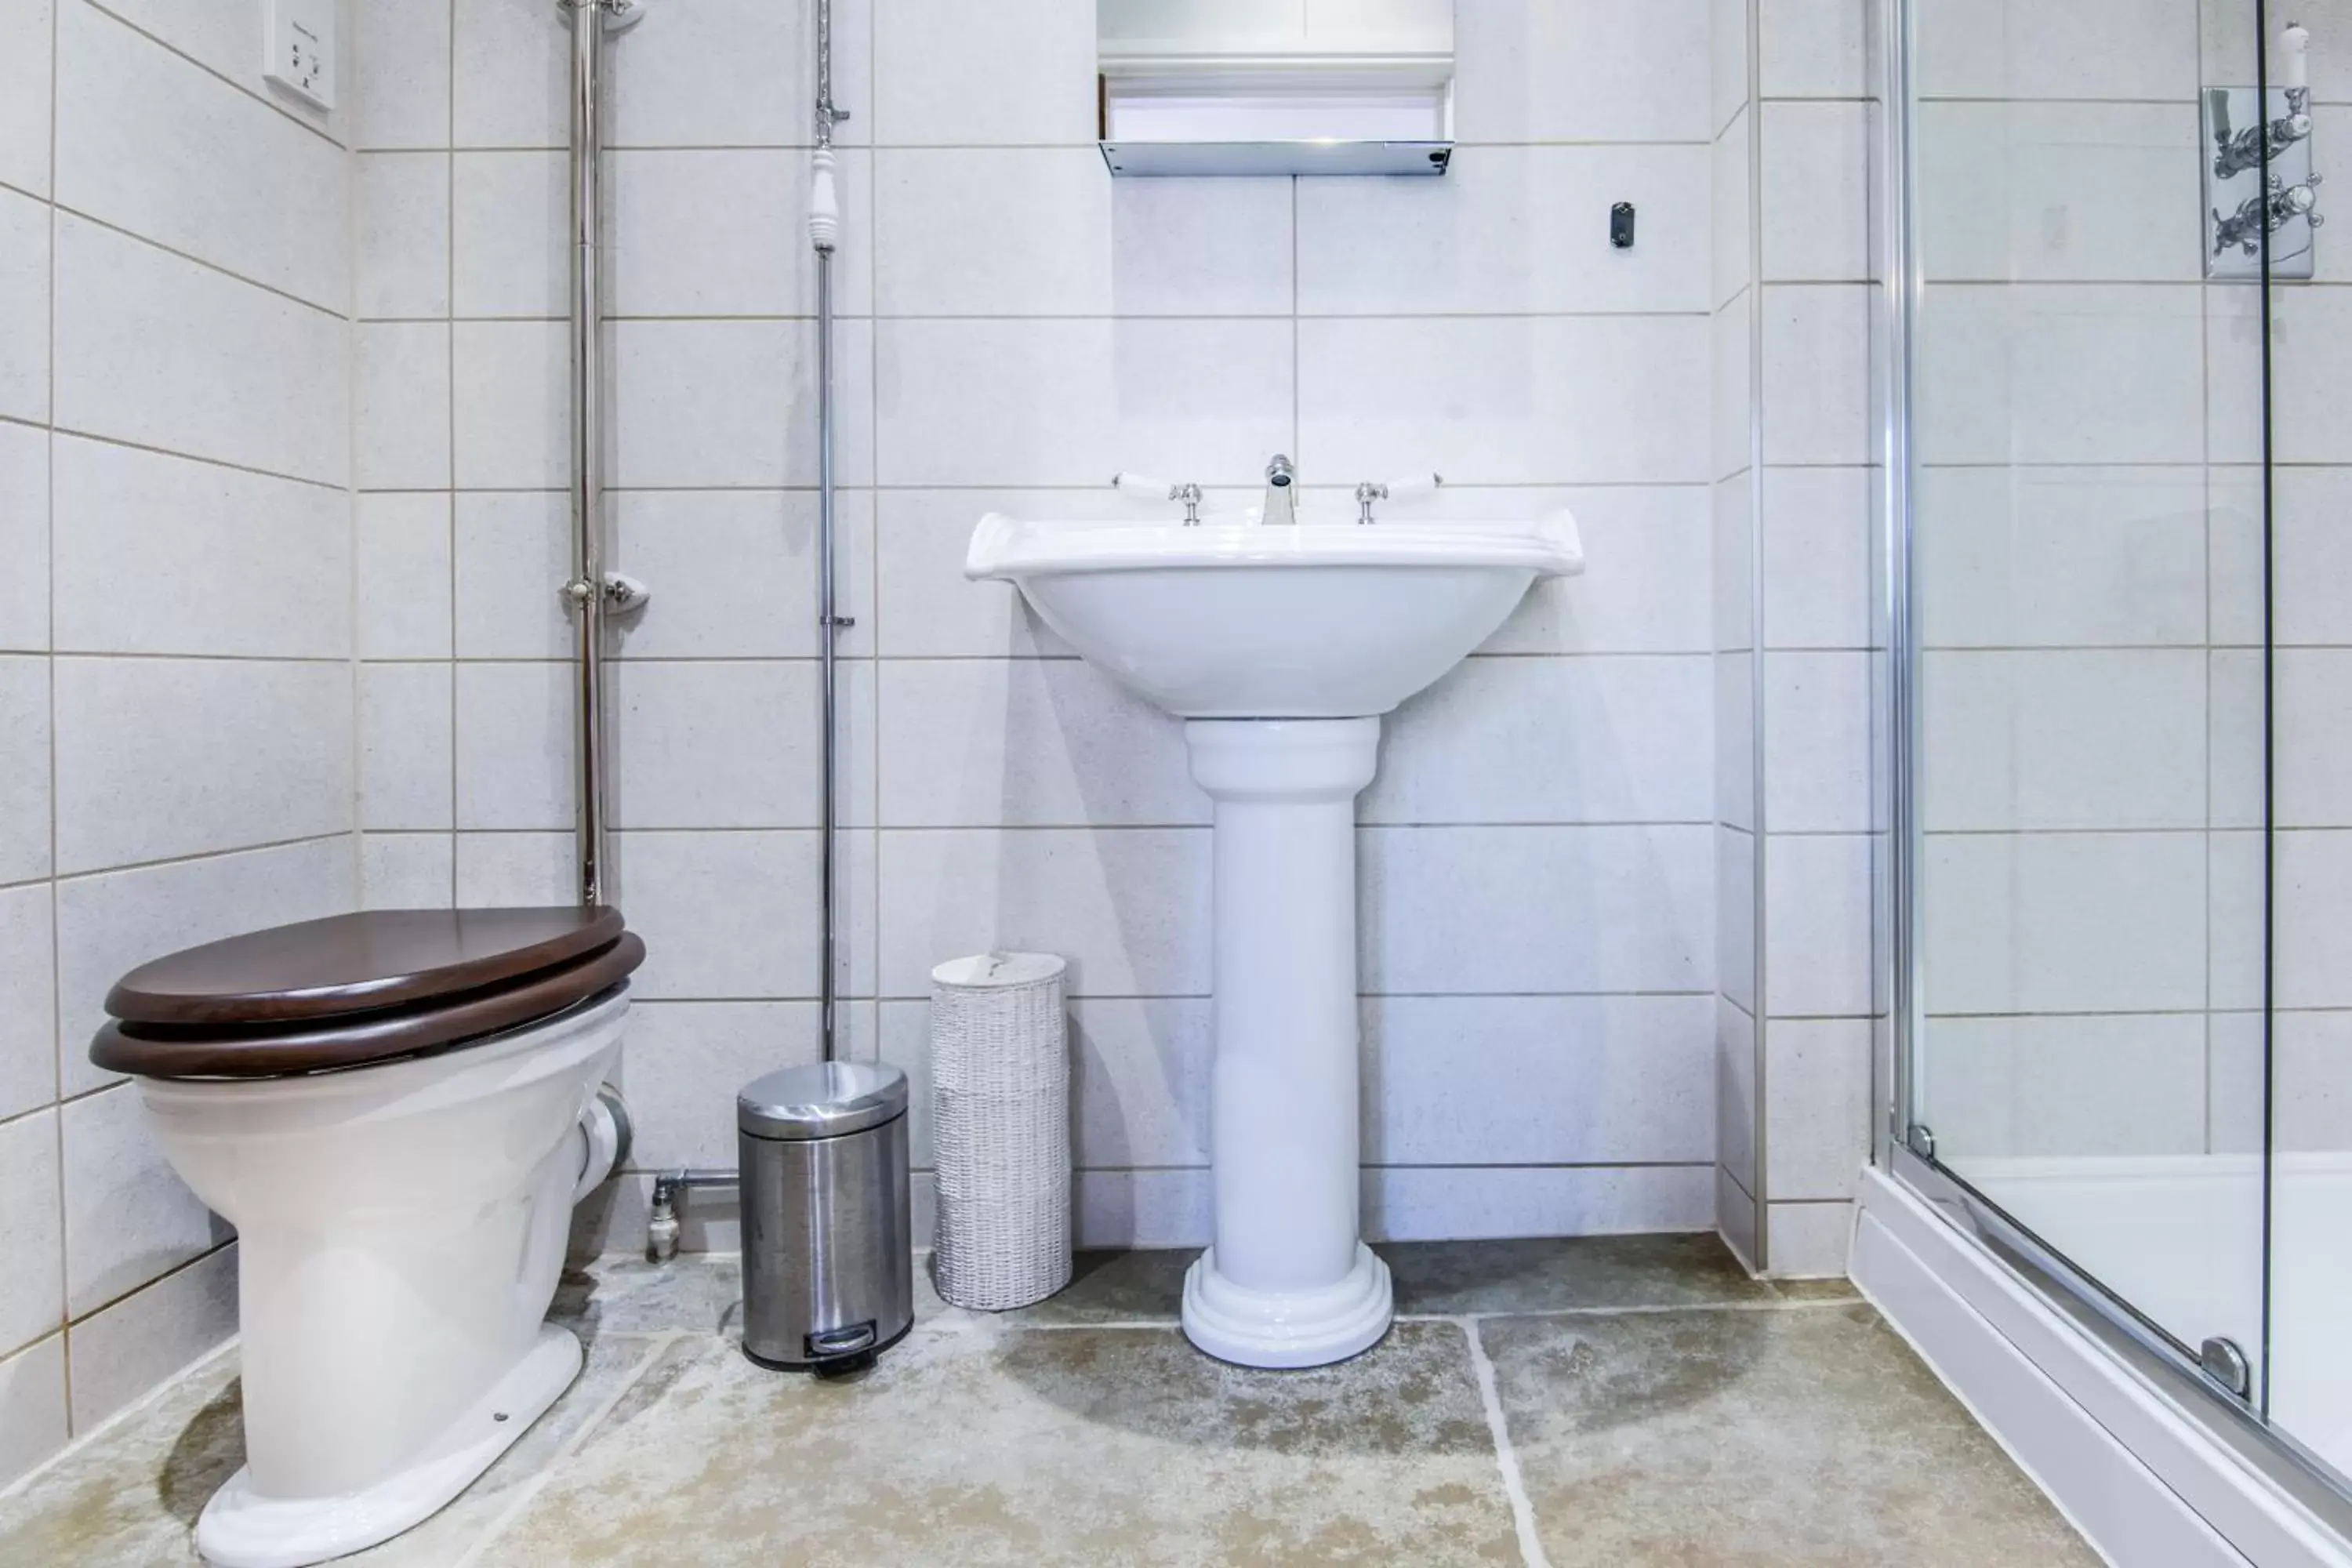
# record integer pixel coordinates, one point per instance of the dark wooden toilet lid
(355, 989)
(356, 963)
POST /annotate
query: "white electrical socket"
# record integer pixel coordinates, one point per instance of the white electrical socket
(298, 48)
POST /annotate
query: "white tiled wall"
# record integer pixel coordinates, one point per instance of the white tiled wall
(175, 631)
(1537, 859)
(1794, 442)
(1731, 295)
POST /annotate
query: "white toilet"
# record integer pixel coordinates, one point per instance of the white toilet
(395, 1109)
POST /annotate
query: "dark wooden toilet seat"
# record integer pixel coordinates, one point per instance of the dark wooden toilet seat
(351, 990)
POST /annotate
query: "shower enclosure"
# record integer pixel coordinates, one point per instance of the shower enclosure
(2119, 703)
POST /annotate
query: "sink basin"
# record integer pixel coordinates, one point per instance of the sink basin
(1280, 647)
(1317, 620)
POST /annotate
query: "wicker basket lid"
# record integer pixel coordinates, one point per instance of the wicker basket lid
(997, 971)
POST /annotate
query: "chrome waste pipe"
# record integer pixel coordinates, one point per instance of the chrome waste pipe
(824, 235)
(601, 1141)
(584, 590)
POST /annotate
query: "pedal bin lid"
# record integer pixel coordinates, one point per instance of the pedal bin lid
(826, 1100)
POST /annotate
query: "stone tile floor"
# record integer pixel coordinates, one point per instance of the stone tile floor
(1613, 1402)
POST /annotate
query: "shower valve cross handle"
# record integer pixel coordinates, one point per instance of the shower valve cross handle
(2270, 211)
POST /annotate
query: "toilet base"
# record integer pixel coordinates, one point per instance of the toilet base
(240, 1529)
(1287, 1328)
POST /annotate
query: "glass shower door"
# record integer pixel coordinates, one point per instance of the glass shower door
(2089, 778)
(2309, 1124)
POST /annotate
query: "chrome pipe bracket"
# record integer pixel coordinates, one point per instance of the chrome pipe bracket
(662, 1227)
(622, 592)
(620, 16)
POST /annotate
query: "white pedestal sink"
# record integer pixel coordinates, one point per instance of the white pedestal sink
(1281, 646)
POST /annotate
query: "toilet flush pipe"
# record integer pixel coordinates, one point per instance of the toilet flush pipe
(824, 235)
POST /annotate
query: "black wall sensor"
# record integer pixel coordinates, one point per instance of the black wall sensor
(1620, 226)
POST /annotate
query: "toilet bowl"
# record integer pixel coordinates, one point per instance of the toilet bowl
(402, 1199)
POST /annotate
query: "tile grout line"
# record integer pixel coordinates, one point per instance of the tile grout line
(81, 1441)
(1773, 1304)
(528, 1492)
(212, 1249)
(1237, 489)
(1760, 1303)
(99, 438)
(175, 656)
(57, 950)
(1758, 661)
(869, 149)
(1228, 318)
(1507, 1459)
(92, 873)
(217, 268)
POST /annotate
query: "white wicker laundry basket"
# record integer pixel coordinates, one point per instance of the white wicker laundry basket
(1001, 1129)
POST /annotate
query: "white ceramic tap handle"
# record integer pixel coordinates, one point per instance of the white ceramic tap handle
(1142, 487)
(825, 204)
(2295, 43)
(1415, 486)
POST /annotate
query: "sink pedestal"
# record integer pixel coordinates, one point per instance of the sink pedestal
(1288, 1282)
(1269, 641)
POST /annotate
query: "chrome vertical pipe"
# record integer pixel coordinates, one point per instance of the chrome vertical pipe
(585, 590)
(825, 115)
(828, 628)
(824, 228)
